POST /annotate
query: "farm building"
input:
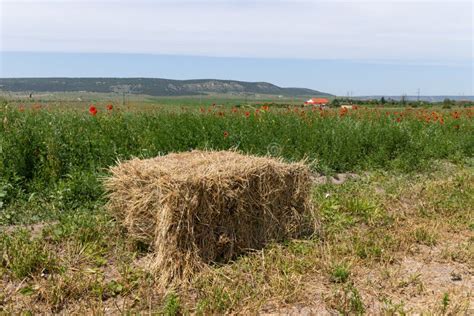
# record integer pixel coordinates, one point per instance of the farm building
(317, 101)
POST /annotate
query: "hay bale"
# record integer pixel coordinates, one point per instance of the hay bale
(199, 207)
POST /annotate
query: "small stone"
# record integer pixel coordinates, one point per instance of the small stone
(456, 276)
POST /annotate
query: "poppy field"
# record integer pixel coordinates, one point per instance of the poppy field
(44, 149)
(412, 199)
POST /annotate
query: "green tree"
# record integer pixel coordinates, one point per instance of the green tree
(447, 103)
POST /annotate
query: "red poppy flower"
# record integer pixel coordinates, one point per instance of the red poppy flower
(110, 107)
(343, 111)
(226, 134)
(247, 114)
(399, 119)
(92, 110)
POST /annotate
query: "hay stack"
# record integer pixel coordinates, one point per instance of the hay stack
(199, 207)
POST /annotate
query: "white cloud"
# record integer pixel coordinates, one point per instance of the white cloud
(427, 30)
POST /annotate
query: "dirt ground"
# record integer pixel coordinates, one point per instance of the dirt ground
(388, 244)
(416, 283)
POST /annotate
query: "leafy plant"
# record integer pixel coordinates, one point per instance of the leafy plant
(340, 273)
(172, 305)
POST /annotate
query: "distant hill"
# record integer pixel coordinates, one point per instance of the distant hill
(149, 86)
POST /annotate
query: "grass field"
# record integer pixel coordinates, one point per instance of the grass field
(397, 238)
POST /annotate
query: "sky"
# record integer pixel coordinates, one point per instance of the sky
(359, 47)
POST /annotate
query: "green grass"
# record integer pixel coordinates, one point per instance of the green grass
(55, 158)
(171, 305)
(22, 255)
(340, 273)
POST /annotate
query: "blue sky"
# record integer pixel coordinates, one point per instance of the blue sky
(367, 47)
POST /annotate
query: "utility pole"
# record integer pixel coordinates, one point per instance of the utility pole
(418, 98)
(403, 99)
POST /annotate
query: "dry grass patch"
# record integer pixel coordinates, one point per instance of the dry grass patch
(391, 244)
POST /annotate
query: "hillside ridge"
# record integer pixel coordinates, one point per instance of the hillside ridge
(151, 86)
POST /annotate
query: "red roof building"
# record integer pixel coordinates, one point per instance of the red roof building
(317, 101)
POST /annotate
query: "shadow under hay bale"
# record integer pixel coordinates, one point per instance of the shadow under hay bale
(201, 207)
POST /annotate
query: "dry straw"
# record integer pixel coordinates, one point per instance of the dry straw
(201, 207)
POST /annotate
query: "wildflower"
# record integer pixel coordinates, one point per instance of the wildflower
(399, 119)
(92, 110)
(21, 108)
(203, 110)
(247, 114)
(455, 115)
(456, 126)
(343, 111)
(441, 121)
(226, 134)
(110, 107)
